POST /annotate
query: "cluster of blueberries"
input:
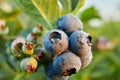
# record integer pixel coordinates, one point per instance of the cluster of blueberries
(70, 46)
(25, 50)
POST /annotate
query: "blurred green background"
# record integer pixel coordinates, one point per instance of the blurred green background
(100, 18)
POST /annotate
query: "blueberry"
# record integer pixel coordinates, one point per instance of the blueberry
(28, 64)
(80, 44)
(69, 23)
(28, 48)
(49, 70)
(38, 29)
(16, 46)
(52, 75)
(55, 42)
(32, 37)
(66, 64)
(39, 54)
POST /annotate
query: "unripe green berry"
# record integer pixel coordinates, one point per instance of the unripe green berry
(32, 37)
(28, 48)
(39, 54)
(16, 46)
(28, 64)
(38, 29)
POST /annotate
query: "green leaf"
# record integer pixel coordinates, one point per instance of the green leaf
(66, 6)
(46, 12)
(49, 9)
(80, 3)
(89, 13)
(69, 6)
(73, 4)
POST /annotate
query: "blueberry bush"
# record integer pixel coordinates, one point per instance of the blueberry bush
(53, 40)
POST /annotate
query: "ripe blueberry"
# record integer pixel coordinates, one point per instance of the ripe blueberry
(66, 64)
(69, 23)
(51, 74)
(80, 44)
(55, 42)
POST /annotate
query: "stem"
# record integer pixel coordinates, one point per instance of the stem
(19, 76)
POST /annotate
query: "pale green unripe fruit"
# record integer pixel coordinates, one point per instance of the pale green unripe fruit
(38, 29)
(16, 46)
(28, 64)
(32, 37)
(28, 48)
